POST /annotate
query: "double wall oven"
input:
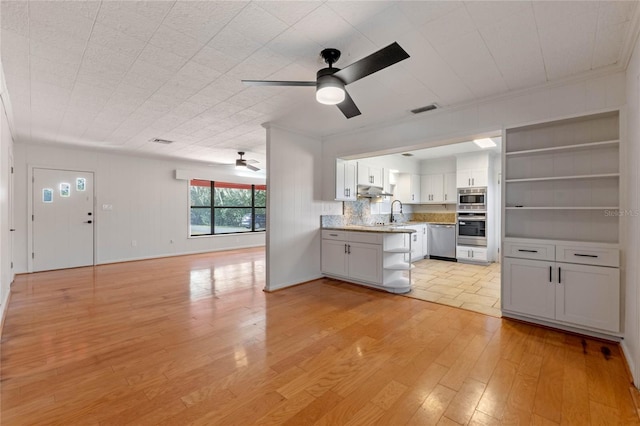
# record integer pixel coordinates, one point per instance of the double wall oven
(472, 217)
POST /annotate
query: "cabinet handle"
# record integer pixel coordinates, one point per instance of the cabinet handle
(349, 248)
(473, 181)
(559, 275)
(550, 274)
(345, 248)
(586, 255)
(528, 251)
(445, 197)
(333, 235)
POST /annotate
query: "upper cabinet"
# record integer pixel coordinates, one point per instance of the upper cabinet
(346, 180)
(432, 188)
(408, 188)
(370, 175)
(450, 188)
(472, 170)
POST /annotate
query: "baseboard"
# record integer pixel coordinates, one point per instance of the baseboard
(631, 365)
(184, 253)
(292, 284)
(4, 306)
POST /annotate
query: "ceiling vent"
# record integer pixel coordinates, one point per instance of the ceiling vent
(407, 154)
(162, 141)
(426, 108)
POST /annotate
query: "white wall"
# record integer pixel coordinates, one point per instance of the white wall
(149, 204)
(294, 207)
(631, 229)
(6, 144)
(440, 165)
(466, 122)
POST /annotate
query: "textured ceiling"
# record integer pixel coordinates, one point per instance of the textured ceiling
(116, 74)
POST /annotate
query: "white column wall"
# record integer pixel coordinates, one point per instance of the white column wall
(149, 204)
(6, 144)
(294, 207)
(631, 343)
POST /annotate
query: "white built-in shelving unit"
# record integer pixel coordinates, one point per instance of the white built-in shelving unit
(562, 179)
(561, 223)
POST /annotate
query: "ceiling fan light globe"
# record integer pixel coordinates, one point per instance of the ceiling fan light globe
(330, 95)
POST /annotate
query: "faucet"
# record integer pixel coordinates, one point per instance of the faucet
(392, 203)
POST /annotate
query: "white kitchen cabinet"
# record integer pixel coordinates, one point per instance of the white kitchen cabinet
(584, 295)
(472, 170)
(334, 258)
(528, 287)
(472, 178)
(374, 259)
(450, 188)
(471, 254)
(408, 188)
(352, 255)
(370, 175)
(425, 241)
(365, 262)
(432, 188)
(346, 180)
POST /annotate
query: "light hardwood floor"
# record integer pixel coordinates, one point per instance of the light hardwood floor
(195, 340)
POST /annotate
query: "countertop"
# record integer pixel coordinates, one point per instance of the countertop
(395, 228)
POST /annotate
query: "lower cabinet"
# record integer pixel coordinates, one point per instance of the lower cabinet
(586, 296)
(351, 259)
(374, 259)
(418, 242)
(471, 253)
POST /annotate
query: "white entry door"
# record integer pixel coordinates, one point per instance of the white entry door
(63, 219)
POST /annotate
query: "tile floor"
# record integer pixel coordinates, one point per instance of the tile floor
(472, 287)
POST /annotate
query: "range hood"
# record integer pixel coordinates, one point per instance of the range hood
(365, 191)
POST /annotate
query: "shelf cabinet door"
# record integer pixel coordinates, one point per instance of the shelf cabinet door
(345, 180)
(408, 188)
(334, 258)
(589, 296)
(377, 176)
(528, 287)
(365, 262)
(450, 190)
(463, 179)
(479, 177)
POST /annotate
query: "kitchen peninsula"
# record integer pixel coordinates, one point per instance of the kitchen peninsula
(374, 256)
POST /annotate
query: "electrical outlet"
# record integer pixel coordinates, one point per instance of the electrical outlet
(134, 243)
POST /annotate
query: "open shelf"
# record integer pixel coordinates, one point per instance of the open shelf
(540, 179)
(576, 147)
(398, 250)
(398, 283)
(399, 267)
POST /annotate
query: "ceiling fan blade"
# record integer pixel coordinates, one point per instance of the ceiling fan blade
(375, 62)
(278, 83)
(348, 107)
(254, 168)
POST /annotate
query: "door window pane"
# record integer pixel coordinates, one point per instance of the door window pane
(65, 190)
(47, 195)
(81, 184)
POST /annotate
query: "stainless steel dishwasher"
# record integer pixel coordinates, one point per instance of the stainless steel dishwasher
(442, 241)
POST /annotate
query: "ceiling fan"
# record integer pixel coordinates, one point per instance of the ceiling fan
(244, 163)
(330, 81)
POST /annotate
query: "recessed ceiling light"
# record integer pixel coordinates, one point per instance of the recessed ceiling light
(484, 143)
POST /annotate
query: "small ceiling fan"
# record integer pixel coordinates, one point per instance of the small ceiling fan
(244, 163)
(330, 81)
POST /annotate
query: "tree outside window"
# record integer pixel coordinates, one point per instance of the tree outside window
(226, 208)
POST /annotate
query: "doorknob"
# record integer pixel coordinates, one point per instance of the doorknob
(89, 221)
(89, 214)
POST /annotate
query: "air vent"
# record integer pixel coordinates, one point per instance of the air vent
(162, 141)
(424, 108)
(407, 154)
